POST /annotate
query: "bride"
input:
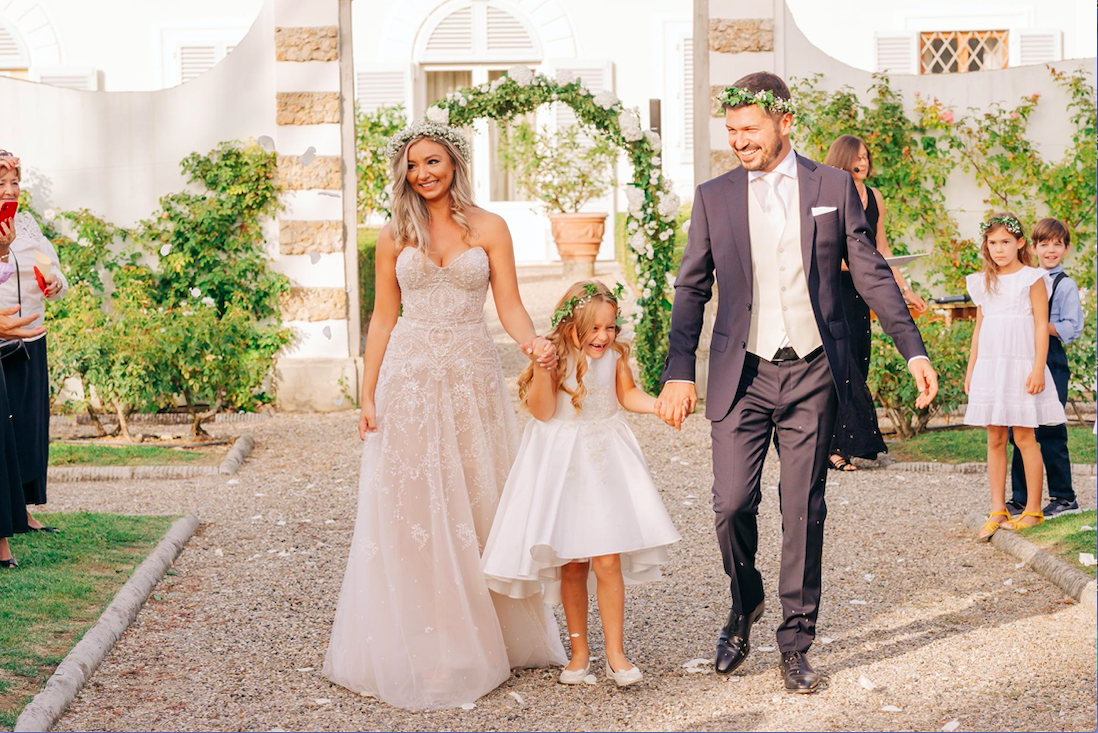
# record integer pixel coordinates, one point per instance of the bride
(416, 625)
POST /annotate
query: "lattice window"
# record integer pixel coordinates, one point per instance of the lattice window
(958, 52)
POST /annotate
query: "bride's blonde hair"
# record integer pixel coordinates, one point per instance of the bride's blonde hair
(576, 312)
(411, 218)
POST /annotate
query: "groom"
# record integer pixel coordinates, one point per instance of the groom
(773, 233)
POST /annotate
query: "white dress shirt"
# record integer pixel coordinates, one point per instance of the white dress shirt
(28, 238)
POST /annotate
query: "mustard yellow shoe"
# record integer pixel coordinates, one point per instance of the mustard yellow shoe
(1021, 522)
(991, 525)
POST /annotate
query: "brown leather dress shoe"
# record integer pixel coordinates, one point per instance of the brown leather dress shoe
(798, 673)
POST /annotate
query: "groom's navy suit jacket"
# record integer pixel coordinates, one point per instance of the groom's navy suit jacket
(719, 248)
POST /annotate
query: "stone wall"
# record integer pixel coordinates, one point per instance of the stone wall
(741, 35)
(307, 44)
(307, 108)
(314, 304)
(322, 172)
(297, 237)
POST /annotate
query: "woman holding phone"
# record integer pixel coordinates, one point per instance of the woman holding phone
(856, 430)
(37, 277)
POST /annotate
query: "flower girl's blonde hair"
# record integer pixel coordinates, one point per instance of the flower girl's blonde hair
(573, 320)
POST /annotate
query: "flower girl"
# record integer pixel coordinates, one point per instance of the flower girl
(1008, 383)
(579, 497)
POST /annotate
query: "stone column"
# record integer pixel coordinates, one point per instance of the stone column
(316, 245)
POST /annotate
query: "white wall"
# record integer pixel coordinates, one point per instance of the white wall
(844, 29)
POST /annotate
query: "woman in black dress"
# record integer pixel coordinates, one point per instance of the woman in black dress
(856, 431)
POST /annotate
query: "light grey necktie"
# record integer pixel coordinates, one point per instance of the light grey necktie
(773, 205)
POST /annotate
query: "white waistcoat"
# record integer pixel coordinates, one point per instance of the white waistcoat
(781, 313)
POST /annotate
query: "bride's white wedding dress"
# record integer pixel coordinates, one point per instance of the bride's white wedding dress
(416, 625)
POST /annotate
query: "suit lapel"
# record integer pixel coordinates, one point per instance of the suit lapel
(808, 185)
(738, 223)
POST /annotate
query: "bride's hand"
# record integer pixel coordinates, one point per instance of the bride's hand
(367, 419)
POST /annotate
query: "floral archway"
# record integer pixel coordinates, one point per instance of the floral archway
(653, 206)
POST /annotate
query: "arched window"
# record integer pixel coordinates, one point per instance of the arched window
(13, 50)
(480, 31)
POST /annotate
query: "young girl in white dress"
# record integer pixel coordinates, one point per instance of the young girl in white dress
(579, 497)
(1007, 382)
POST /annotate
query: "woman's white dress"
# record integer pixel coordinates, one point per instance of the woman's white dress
(416, 625)
(579, 488)
(1005, 354)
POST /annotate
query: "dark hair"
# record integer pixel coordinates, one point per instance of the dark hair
(843, 153)
(1048, 230)
(761, 81)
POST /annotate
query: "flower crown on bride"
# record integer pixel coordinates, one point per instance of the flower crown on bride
(1011, 224)
(430, 130)
(735, 96)
(568, 307)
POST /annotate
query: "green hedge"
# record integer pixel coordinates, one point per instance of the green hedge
(621, 248)
(367, 245)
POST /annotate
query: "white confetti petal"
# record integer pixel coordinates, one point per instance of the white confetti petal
(1018, 565)
(308, 156)
(165, 250)
(253, 557)
(329, 521)
(688, 503)
(1008, 581)
(518, 698)
(868, 577)
(698, 666)
(826, 640)
(260, 495)
(766, 648)
(267, 142)
(283, 554)
(281, 523)
(304, 669)
(776, 698)
(219, 552)
(857, 602)
(951, 726)
(891, 709)
(866, 682)
(1085, 558)
(327, 331)
(233, 481)
(322, 701)
(468, 705)
(1020, 590)
(257, 516)
(272, 551)
(844, 502)
(1086, 528)
(314, 257)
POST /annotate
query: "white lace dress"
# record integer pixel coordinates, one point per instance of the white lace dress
(579, 488)
(1005, 354)
(416, 625)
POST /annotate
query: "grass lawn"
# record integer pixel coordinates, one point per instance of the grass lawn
(92, 454)
(1063, 536)
(63, 583)
(969, 445)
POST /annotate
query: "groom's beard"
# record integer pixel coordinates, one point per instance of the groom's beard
(769, 151)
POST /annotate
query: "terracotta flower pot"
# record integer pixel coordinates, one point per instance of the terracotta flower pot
(578, 237)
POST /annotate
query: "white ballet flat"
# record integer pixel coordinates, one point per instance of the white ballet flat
(574, 676)
(624, 677)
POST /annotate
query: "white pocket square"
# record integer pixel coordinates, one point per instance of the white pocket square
(818, 210)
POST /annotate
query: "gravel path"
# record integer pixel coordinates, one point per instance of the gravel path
(912, 607)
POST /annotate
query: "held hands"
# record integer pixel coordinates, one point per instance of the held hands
(676, 401)
(542, 351)
(1035, 382)
(926, 379)
(13, 327)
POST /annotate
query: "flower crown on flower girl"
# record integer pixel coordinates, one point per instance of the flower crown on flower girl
(428, 129)
(568, 307)
(1009, 223)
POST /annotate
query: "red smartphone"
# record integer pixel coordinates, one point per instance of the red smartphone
(8, 209)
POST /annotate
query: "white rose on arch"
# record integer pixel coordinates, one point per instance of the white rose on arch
(654, 140)
(669, 206)
(522, 75)
(565, 76)
(629, 122)
(636, 200)
(606, 99)
(638, 242)
(439, 115)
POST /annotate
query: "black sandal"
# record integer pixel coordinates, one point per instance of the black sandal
(9, 563)
(838, 463)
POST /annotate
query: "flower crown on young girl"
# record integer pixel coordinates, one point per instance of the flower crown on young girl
(1011, 224)
(431, 130)
(735, 96)
(576, 302)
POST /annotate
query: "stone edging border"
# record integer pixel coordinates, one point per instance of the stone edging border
(1072, 581)
(80, 664)
(1086, 469)
(230, 465)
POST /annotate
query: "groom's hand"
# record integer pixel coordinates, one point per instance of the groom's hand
(676, 401)
(926, 379)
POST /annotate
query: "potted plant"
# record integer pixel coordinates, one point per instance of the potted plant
(564, 170)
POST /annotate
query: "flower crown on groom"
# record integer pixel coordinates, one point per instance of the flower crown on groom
(736, 96)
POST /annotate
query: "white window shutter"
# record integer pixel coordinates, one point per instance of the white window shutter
(453, 36)
(506, 36)
(196, 60)
(13, 55)
(1029, 46)
(382, 87)
(896, 52)
(81, 78)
